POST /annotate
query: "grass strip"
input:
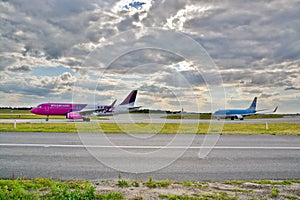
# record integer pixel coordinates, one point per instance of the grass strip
(32, 116)
(273, 128)
(28, 116)
(42, 188)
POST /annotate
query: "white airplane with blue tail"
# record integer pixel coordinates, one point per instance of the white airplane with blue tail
(239, 113)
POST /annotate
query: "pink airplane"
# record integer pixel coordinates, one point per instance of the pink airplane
(76, 111)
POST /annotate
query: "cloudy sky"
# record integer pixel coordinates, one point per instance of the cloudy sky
(191, 54)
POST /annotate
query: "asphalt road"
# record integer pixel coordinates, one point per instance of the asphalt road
(176, 157)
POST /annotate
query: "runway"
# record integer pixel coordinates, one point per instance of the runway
(155, 118)
(176, 157)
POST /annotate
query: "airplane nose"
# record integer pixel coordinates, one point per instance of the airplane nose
(33, 110)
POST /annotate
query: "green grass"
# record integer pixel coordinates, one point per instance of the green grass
(33, 116)
(14, 111)
(28, 116)
(274, 128)
(42, 188)
(263, 116)
(189, 116)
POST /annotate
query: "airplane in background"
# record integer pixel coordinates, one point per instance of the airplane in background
(77, 111)
(239, 113)
(126, 106)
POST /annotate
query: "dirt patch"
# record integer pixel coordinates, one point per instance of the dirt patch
(203, 190)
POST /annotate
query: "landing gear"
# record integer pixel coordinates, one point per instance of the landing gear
(47, 118)
(86, 119)
(232, 118)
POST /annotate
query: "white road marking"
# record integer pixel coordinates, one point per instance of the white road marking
(150, 147)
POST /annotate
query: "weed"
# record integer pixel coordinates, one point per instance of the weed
(154, 184)
(187, 183)
(121, 182)
(150, 183)
(164, 183)
(111, 196)
(274, 192)
(135, 184)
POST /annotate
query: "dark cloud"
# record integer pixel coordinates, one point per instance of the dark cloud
(4, 62)
(182, 79)
(42, 86)
(251, 91)
(249, 78)
(268, 95)
(143, 61)
(156, 91)
(20, 69)
(292, 88)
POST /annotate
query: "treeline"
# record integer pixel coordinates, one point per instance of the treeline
(15, 108)
(155, 111)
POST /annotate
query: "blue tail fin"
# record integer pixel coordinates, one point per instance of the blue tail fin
(253, 104)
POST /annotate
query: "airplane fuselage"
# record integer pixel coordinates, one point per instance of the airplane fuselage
(57, 108)
(233, 113)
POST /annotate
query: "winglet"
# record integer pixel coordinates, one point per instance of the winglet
(113, 103)
(109, 108)
(275, 109)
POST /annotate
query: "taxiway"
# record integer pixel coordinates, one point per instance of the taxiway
(101, 156)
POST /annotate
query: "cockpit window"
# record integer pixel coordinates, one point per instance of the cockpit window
(39, 106)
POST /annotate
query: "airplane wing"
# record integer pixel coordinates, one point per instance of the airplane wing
(98, 110)
(90, 112)
(108, 108)
(267, 110)
(134, 108)
(86, 112)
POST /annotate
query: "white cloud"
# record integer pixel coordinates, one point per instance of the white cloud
(255, 44)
